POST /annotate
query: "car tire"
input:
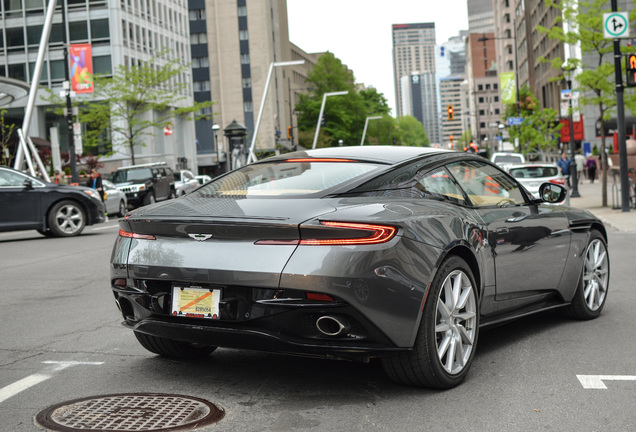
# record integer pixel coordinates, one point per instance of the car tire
(149, 198)
(122, 208)
(171, 348)
(66, 219)
(447, 337)
(591, 292)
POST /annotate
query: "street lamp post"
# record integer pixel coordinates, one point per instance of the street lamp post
(366, 123)
(251, 157)
(322, 110)
(215, 129)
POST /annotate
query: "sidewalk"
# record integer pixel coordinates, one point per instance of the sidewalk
(591, 199)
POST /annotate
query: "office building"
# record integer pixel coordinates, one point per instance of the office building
(122, 33)
(413, 53)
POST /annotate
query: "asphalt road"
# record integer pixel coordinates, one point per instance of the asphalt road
(61, 339)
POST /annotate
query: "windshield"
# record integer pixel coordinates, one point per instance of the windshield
(284, 178)
(121, 176)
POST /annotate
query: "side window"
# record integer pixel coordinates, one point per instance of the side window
(485, 185)
(155, 172)
(10, 178)
(439, 184)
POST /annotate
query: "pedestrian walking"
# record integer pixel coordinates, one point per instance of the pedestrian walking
(590, 164)
(95, 182)
(58, 178)
(564, 166)
(579, 161)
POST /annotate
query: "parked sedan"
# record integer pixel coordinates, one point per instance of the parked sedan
(401, 253)
(114, 199)
(27, 203)
(533, 175)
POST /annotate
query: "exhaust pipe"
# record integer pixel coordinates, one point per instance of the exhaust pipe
(332, 325)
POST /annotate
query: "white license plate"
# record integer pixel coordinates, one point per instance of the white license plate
(195, 302)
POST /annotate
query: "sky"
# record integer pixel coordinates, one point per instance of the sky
(358, 32)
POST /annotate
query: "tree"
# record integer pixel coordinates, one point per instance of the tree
(137, 100)
(411, 132)
(6, 132)
(344, 116)
(539, 130)
(585, 27)
(466, 138)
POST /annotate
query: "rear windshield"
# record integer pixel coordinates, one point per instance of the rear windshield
(284, 178)
(533, 172)
(506, 159)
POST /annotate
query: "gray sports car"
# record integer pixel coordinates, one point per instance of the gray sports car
(401, 253)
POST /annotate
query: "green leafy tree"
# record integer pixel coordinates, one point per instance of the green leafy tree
(137, 100)
(585, 19)
(411, 132)
(466, 138)
(6, 132)
(344, 116)
(539, 131)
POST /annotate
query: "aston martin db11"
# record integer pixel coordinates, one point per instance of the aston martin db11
(401, 253)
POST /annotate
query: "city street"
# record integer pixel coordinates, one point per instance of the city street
(61, 339)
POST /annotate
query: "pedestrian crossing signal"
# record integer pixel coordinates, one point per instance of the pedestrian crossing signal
(451, 112)
(630, 66)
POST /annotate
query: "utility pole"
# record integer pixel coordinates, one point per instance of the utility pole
(69, 106)
(620, 121)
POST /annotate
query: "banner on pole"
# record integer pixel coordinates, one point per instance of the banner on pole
(508, 87)
(81, 58)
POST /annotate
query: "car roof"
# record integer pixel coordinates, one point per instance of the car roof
(383, 154)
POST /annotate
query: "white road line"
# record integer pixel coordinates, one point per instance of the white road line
(23, 384)
(105, 227)
(596, 381)
(31, 380)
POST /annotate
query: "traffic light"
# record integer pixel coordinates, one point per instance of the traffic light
(630, 66)
(451, 112)
(289, 132)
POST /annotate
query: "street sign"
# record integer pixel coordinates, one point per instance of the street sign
(514, 121)
(616, 25)
(568, 94)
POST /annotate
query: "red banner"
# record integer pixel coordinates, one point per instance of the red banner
(81, 57)
(578, 131)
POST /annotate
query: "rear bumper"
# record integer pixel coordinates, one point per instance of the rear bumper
(260, 325)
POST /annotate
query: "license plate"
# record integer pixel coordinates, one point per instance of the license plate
(195, 302)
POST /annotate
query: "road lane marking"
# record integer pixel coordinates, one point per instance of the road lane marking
(23, 384)
(35, 379)
(105, 227)
(596, 381)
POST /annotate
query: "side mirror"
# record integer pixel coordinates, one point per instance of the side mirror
(28, 184)
(552, 193)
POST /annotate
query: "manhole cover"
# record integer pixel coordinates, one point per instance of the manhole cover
(130, 412)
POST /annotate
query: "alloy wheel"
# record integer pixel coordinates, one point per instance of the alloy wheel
(456, 322)
(69, 218)
(595, 274)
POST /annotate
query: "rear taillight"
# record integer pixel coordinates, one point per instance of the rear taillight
(367, 234)
(127, 234)
(559, 181)
(339, 234)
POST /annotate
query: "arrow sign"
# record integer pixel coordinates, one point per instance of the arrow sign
(616, 25)
(596, 381)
